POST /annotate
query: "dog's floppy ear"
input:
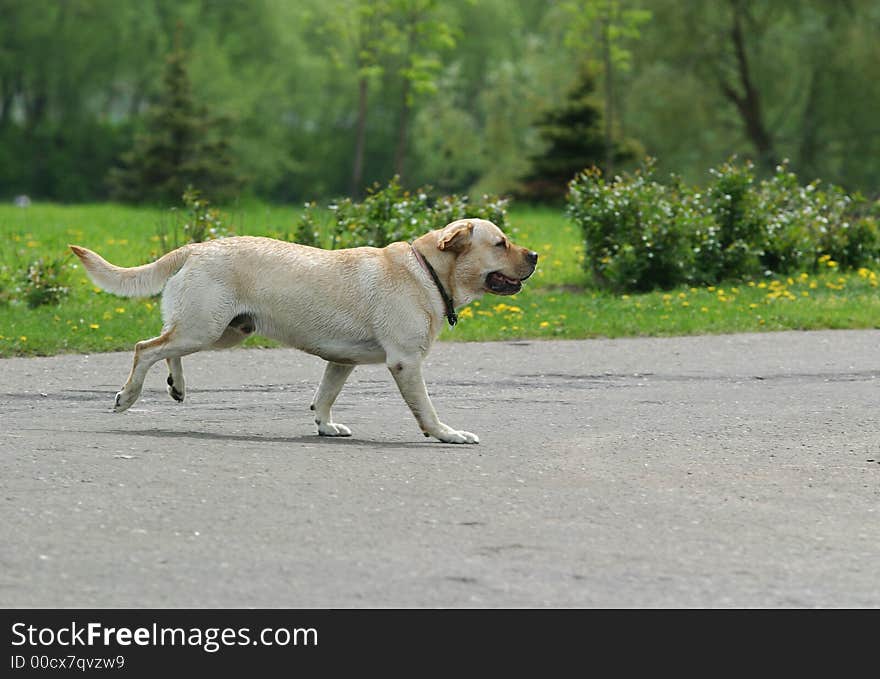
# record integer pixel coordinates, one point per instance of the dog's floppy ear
(455, 237)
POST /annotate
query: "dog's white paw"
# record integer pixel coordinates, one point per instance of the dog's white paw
(450, 435)
(333, 429)
(124, 400)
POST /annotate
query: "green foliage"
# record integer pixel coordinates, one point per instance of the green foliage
(619, 26)
(76, 78)
(201, 222)
(631, 236)
(641, 234)
(308, 229)
(389, 214)
(183, 145)
(573, 139)
(44, 282)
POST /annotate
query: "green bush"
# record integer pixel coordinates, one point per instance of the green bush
(631, 234)
(388, 214)
(730, 202)
(44, 282)
(201, 222)
(640, 234)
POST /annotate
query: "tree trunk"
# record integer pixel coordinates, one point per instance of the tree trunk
(748, 102)
(357, 174)
(609, 94)
(402, 132)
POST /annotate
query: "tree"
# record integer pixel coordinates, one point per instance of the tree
(610, 26)
(574, 140)
(424, 34)
(742, 91)
(183, 146)
(361, 31)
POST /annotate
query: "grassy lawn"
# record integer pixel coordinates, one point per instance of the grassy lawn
(555, 303)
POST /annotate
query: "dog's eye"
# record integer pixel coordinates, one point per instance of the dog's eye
(501, 244)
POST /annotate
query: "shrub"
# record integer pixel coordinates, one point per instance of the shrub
(640, 234)
(631, 235)
(308, 230)
(201, 222)
(44, 282)
(388, 214)
(730, 201)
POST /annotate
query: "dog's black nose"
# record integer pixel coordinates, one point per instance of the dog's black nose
(532, 257)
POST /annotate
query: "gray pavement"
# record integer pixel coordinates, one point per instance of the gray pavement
(706, 471)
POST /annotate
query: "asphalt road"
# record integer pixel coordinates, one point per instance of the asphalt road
(706, 471)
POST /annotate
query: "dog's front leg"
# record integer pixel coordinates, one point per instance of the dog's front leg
(407, 373)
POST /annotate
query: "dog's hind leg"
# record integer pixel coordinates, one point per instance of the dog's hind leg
(173, 343)
(335, 375)
(145, 355)
(176, 383)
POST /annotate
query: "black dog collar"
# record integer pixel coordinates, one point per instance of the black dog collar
(451, 316)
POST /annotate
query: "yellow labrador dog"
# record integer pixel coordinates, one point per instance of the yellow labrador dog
(361, 305)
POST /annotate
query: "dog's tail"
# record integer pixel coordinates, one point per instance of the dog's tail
(137, 281)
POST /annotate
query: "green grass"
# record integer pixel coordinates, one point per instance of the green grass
(556, 302)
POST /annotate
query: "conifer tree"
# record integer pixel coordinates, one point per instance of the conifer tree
(574, 140)
(183, 146)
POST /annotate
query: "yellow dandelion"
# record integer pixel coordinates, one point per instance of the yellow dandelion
(762, 284)
(753, 306)
(685, 303)
(711, 288)
(543, 324)
(704, 309)
(120, 310)
(94, 326)
(23, 338)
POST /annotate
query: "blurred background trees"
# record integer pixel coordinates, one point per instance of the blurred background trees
(329, 96)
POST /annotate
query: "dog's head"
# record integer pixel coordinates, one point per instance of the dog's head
(485, 258)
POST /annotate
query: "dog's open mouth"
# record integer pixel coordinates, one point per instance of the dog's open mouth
(500, 284)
